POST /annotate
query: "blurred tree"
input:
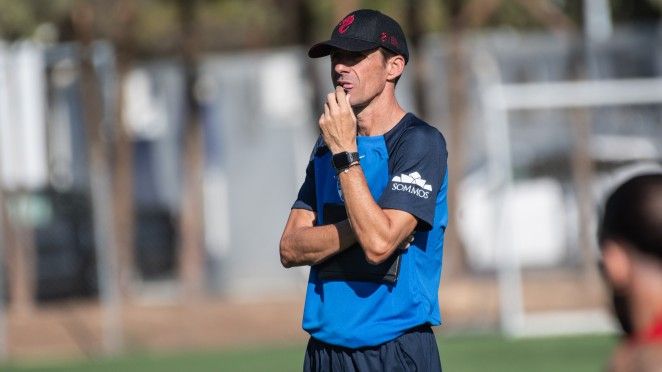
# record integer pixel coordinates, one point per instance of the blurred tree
(83, 20)
(625, 11)
(415, 31)
(3, 269)
(241, 24)
(304, 36)
(123, 15)
(191, 245)
(343, 7)
(21, 258)
(16, 19)
(524, 14)
(20, 19)
(454, 252)
(463, 15)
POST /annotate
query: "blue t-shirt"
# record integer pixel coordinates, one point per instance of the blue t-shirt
(406, 170)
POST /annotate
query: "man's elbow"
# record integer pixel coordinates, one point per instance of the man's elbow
(286, 261)
(288, 257)
(377, 253)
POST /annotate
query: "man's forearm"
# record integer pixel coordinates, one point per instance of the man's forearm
(314, 244)
(372, 226)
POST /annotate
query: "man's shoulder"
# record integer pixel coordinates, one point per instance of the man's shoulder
(418, 128)
(415, 134)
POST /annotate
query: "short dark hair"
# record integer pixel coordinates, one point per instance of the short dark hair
(388, 54)
(633, 213)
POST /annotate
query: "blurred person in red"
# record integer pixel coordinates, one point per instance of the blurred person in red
(630, 239)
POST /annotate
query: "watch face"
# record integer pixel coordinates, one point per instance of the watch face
(342, 160)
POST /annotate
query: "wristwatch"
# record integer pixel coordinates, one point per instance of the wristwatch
(344, 160)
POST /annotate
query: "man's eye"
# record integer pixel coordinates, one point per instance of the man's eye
(348, 57)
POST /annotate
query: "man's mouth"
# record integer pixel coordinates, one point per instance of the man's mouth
(345, 85)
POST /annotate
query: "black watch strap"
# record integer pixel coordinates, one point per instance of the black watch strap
(344, 160)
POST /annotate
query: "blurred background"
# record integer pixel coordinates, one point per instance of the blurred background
(150, 152)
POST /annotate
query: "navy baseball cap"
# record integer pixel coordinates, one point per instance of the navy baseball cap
(361, 30)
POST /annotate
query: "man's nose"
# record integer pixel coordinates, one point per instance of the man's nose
(340, 66)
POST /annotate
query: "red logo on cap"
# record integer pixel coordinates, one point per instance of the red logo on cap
(345, 23)
(384, 37)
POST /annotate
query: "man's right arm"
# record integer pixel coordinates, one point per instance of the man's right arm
(303, 243)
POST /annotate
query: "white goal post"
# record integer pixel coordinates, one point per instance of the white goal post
(497, 100)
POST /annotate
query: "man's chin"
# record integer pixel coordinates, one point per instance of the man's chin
(357, 107)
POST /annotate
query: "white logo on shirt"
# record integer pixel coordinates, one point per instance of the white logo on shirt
(412, 183)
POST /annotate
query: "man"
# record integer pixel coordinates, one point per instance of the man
(371, 214)
(631, 243)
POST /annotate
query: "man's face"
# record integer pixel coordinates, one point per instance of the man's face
(361, 74)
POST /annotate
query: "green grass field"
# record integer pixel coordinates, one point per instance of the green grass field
(459, 354)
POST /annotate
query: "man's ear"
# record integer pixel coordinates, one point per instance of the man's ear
(617, 263)
(395, 65)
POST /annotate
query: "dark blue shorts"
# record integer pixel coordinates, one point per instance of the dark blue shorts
(416, 350)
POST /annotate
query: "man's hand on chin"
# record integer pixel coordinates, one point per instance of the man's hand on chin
(338, 122)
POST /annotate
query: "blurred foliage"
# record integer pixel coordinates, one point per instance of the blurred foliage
(240, 24)
(512, 14)
(20, 19)
(243, 23)
(156, 21)
(624, 11)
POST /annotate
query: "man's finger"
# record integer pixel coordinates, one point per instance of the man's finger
(344, 99)
(341, 96)
(332, 101)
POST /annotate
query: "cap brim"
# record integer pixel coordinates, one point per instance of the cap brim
(353, 45)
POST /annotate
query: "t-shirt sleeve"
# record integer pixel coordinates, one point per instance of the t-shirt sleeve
(306, 199)
(418, 167)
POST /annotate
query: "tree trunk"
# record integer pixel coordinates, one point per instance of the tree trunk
(304, 37)
(582, 172)
(191, 247)
(3, 267)
(100, 183)
(455, 255)
(416, 65)
(123, 150)
(21, 265)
